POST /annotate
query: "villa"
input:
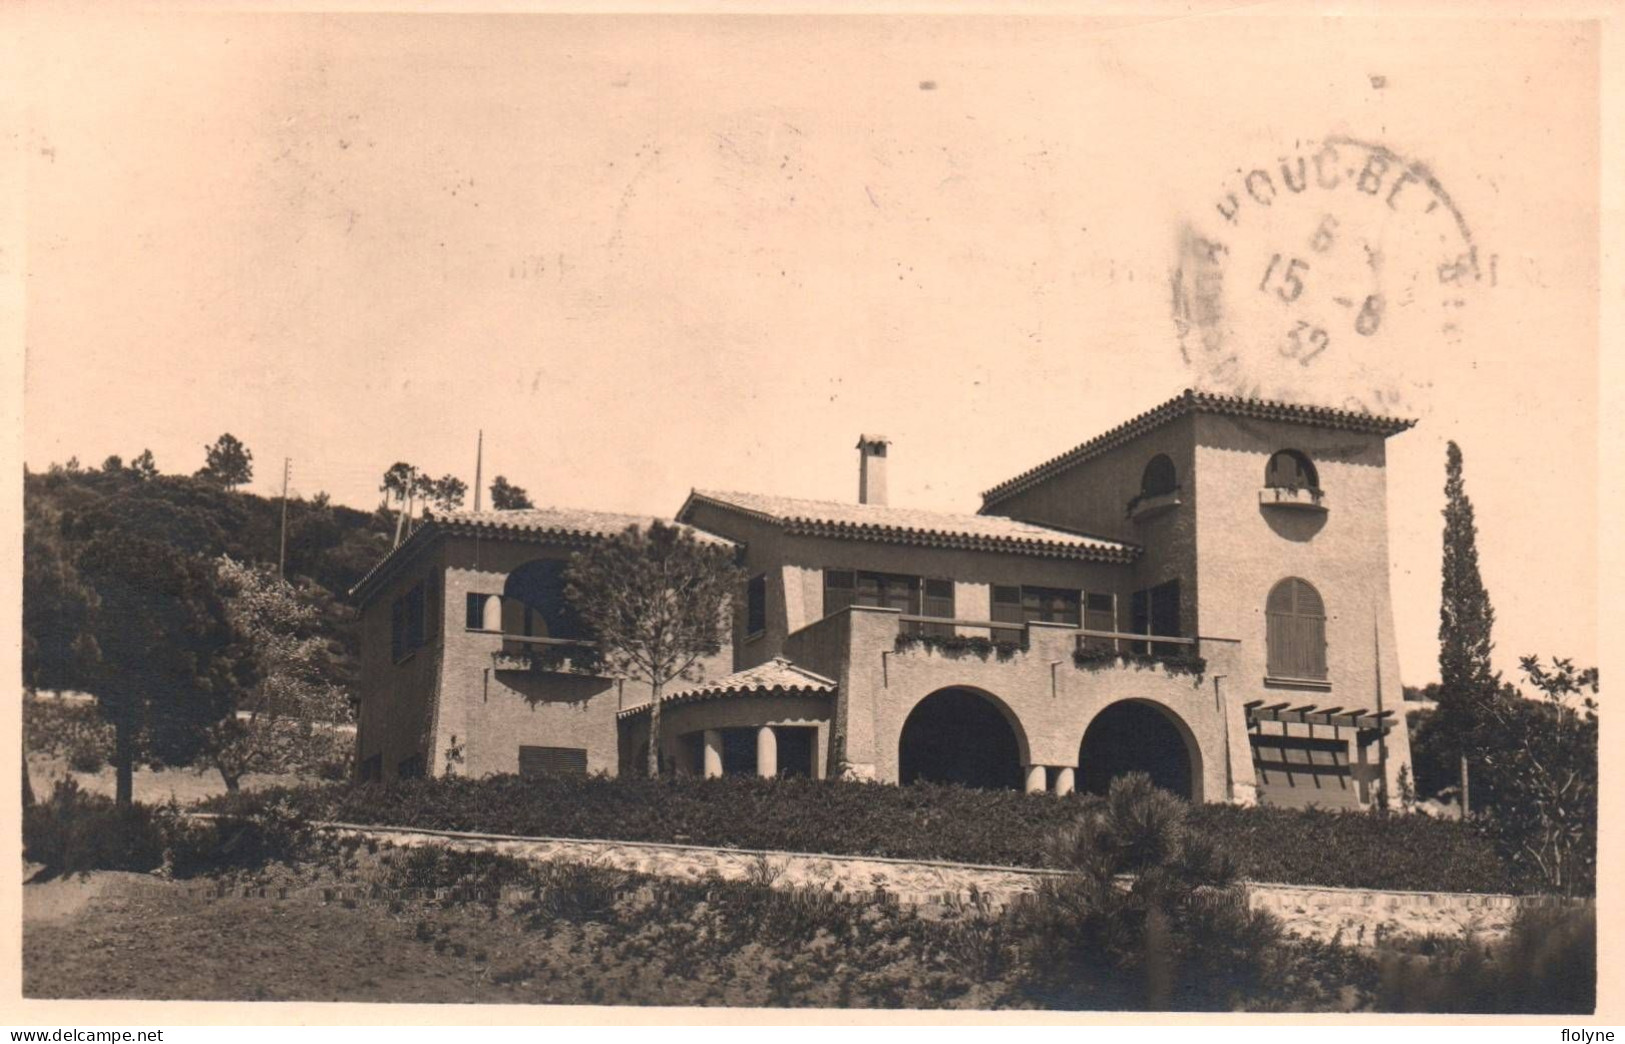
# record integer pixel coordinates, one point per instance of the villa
(1200, 593)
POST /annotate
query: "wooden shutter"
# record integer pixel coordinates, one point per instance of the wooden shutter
(1295, 617)
(1007, 609)
(756, 605)
(838, 590)
(938, 602)
(414, 617)
(552, 761)
(1099, 614)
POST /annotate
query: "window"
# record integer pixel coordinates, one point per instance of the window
(552, 761)
(1296, 631)
(938, 601)
(474, 613)
(1051, 605)
(1159, 477)
(410, 768)
(756, 605)
(372, 768)
(1023, 605)
(844, 588)
(1156, 611)
(1290, 469)
(889, 591)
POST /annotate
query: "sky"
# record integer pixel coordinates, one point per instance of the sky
(645, 254)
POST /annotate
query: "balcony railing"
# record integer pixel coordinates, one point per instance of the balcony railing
(522, 652)
(1174, 653)
(1295, 498)
(1094, 648)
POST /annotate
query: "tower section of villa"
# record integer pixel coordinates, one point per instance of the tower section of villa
(1273, 521)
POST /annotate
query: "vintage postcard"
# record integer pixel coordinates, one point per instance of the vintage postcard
(760, 512)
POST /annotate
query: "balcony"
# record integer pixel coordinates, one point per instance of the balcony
(1147, 505)
(546, 655)
(1092, 649)
(1292, 498)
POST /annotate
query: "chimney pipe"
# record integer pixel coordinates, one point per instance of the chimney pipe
(872, 469)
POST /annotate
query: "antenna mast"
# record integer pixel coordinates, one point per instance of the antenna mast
(479, 460)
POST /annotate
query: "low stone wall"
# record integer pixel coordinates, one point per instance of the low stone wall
(1357, 916)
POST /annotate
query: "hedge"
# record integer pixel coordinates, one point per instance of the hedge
(921, 821)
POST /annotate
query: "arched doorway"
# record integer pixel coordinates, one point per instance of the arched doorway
(1137, 736)
(960, 736)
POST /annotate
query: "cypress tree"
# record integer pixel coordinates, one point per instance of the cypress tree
(1467, 684)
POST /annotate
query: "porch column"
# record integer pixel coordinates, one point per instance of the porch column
(1036, 783)
(713, 753)
(1064, 780)
(767, 752)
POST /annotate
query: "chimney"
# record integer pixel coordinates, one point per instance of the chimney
(872, 469)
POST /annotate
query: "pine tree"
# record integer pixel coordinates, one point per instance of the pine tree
(1467, 683)
(656, 601)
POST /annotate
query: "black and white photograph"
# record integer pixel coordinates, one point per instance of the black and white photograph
(822, 510)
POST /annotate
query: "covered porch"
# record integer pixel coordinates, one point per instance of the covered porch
(771, 721)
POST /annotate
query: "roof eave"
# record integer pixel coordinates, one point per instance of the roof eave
(1187, 402)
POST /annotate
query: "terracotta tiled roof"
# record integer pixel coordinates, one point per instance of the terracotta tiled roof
(566, 522)
(561, 525)
(776, 676)
(909, 526)
(1191, 401)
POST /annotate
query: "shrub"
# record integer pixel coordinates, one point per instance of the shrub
(74, 833)
(920, 821)
(1547, 964)
(1179, 934)
(274, 832)
(75, 731)
(1352, 849)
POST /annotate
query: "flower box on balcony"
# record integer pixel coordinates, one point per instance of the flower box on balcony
(1292, 498)
(567, 659)
(1144, 506)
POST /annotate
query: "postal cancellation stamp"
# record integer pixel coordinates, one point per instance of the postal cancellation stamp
(1328, 270)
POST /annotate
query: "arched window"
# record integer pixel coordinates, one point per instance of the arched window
(1296, 635)
(1159, 477)
(1290, 469)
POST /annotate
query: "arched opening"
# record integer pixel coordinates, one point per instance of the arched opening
(533, 602)
(1290, 469)
(960, 736)
(1135, 736)
(1159, 477)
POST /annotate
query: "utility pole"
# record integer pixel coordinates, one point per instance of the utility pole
(479, 460)
(282, 550)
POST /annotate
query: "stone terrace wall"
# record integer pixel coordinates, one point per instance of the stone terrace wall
(1360, 915)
